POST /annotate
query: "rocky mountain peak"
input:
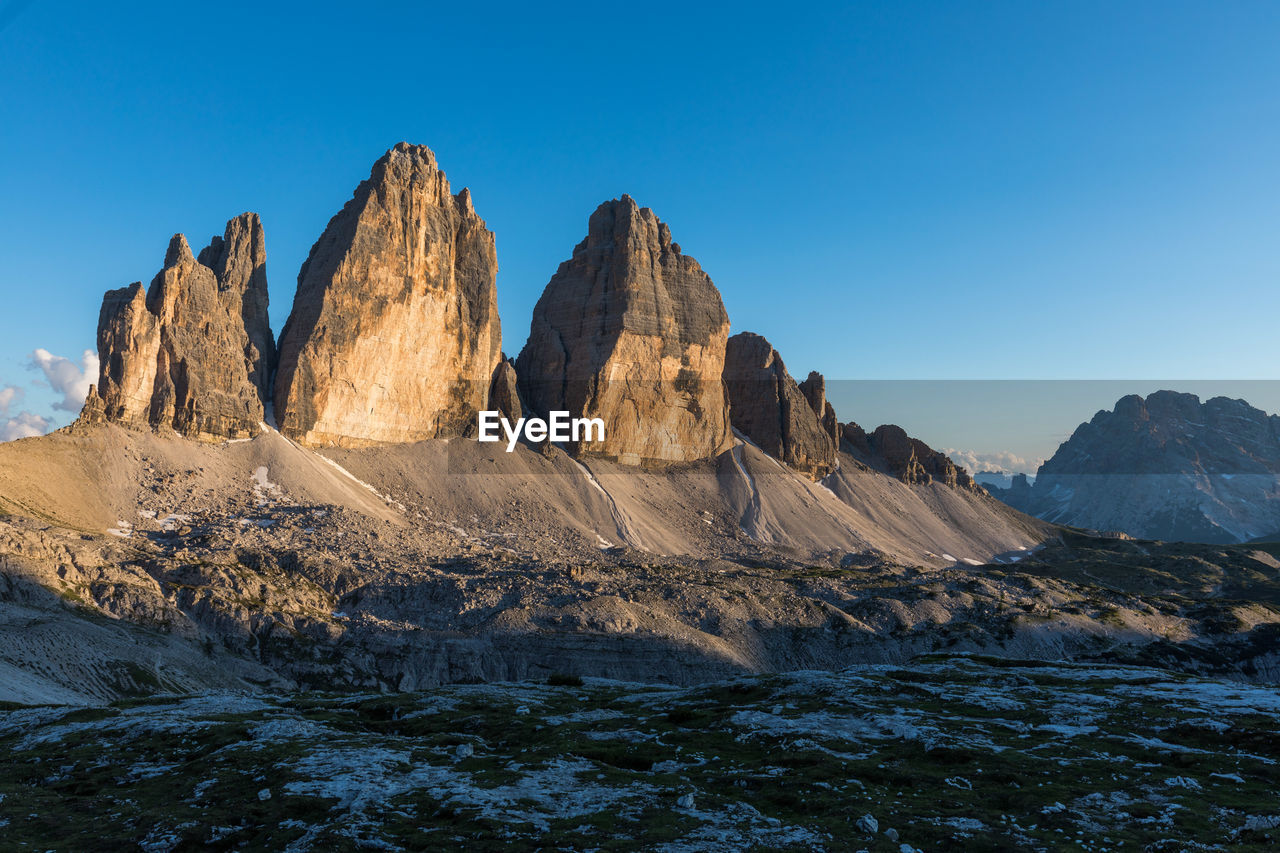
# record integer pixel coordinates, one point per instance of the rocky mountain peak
(1170, 433)
(1167, 466)
(394, 334)
(239, 261)
(632, 331)
(909, 459)
(194, 353)
(179, 252)
(814, 389)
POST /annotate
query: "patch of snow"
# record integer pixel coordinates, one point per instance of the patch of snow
(1183, 782)
(172, 520)
(353, 478)
(264, 491)
(1066, 730)
(591, 478)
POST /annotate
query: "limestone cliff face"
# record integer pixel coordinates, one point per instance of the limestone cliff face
(632, 331)
(194, 353)
(768, 407)
(239, 261)
(394, 334)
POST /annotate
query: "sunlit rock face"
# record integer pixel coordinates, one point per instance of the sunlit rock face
(632, 331)
(194, 352)
(394, 334)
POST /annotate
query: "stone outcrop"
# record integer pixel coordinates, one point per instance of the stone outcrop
(909, 459)
(815, 391)
(504, 396)
(239, 261)
(632, 331)
(768, 407)
(194, 352)
(394, 333)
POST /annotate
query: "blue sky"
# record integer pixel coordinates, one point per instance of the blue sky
(895, 190)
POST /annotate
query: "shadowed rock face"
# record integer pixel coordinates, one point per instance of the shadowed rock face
(394, 333)
(909, 459)
(1164, 467)
(815, 391)
(194, 352)
(768, 407)
(239, 260)
(632, 331)
(503, 394)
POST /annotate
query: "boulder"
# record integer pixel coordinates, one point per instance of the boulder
(632, 331)
(769, 408)
(394, 333)
(194, 352)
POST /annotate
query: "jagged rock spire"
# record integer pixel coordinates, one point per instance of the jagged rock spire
(394, 334)
(194, 353)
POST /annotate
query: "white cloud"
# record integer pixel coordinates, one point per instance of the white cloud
(9, 395)
(24, 425)
(66, 378)
(1001, 461)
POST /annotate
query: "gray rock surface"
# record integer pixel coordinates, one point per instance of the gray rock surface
(1167, 467)
(239, 260)
(631, 330)
(909, 459)
(504, 395)
(814, 389)
(768, 407)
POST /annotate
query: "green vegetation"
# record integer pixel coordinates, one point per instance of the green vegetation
(952, 753)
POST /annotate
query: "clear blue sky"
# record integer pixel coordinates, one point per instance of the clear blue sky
(886, 190)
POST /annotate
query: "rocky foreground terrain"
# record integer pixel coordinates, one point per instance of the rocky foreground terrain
(945, 753)
(272, 651)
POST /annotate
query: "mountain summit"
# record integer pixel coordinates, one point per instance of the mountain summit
(631, 330)
(194, 352)
(1164, 467)
(394, 334)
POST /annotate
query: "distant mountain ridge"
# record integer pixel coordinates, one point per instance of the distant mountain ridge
(1165, 467)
